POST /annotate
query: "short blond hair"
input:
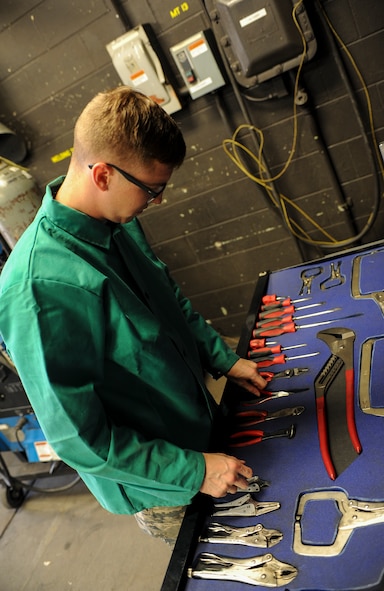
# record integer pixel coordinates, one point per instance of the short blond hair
(124, 122)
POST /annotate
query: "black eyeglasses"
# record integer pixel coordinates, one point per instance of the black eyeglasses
(153, 194)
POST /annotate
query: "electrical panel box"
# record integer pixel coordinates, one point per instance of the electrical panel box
(196, 63)
(260, 38)
(139, 67)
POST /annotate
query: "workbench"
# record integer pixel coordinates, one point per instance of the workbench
(327, 505)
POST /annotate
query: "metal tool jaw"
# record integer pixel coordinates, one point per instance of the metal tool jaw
(265, 570)
(256, 536)
(340, 341)
(354, 514)
(254, 417)
(377, 296)
(307, 276)
(244, 506)
(336, 277)
(365, 379)
(289, 373)
(255, 484)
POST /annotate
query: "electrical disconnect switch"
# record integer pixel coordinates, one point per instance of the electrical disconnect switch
(196, 63)
(139, 66)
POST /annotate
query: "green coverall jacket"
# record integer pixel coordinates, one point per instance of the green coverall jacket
(111, 356)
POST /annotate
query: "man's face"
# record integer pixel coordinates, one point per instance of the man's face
(128, 197)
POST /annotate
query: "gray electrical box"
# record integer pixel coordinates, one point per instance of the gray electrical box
(197, 65)
(260, 38)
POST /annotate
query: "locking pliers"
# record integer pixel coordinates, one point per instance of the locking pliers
(354, 514)
(255, 484)
(243, 506)
(265, 570)
(253, 535)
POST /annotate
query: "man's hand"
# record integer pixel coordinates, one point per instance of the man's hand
(245, 374)
(223, 474)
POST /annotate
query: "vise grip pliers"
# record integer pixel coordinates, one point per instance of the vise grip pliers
(264, 570)
(243, 506)
(252, 535)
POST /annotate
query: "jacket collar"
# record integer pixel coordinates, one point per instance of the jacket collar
(76, 222)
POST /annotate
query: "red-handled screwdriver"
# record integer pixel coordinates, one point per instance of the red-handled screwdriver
(283, 317)
(277, 310)
(292, 327)
(265, 351)
(255, 353)
(279, 305)
(257, 344)
(260, 343)
(279, 359)
(275, 331)
(272, 322)
(269, 299)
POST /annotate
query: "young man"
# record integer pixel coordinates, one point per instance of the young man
(111, 354)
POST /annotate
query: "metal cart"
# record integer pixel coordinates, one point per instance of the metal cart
(25, 455)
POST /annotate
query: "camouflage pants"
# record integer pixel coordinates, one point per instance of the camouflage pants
(161, 522)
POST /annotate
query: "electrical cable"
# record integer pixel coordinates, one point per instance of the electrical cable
(316, 132)
(39, 489)
(295, 123)
(256, 99)
(265, 179)
(19, 427)
(121, 14)
(231, 146)
(376, 204)
(271, 190)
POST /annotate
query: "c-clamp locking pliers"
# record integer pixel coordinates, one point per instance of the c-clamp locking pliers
(354, 514)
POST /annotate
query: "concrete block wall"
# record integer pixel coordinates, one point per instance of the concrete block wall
(217, 229)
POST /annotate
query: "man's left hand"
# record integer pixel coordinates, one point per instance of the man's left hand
(244, 373)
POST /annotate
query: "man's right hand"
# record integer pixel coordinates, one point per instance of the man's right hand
(224, 474)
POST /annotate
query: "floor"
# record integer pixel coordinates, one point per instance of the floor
(66, 542)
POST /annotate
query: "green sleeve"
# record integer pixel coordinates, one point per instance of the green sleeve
(216, 356)
(58, 349)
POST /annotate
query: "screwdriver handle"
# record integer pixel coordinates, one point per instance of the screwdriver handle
(274, 321)
(273, 361)
(257, 343)
(264, 351)
(273, 299)
(276, 312)
(276, 304)
(273, 332)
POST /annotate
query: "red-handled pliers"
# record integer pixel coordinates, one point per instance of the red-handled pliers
(253, 436)
(268, 395)
(267, 375)
(259, 416)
